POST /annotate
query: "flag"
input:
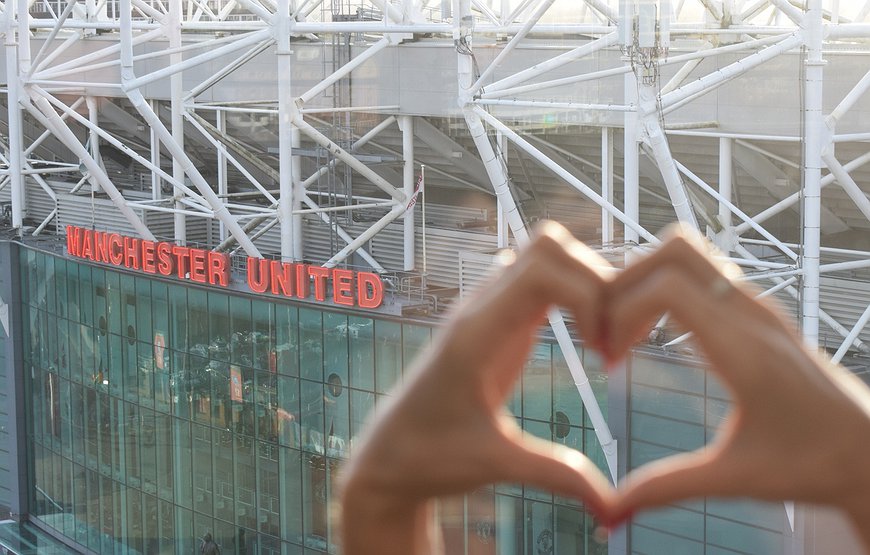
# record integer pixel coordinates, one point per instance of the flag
(417, 188)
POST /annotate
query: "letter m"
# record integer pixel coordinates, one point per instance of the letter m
(74, 240)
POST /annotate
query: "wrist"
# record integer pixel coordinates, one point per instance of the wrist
(376, 523)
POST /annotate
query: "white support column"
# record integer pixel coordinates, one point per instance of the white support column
(497, 172)
(176, 92)
(853, 335)
(298, 194)
(286, 114)
(658, 142)
(94, 139)
(502, 227)
(631, 163)
(406, 123)
(814, 131)
(221, 120)
(156, 183)
(606, 184)
(16, 178)
(726, 166)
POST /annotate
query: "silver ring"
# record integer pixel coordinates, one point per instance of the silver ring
(720, 287)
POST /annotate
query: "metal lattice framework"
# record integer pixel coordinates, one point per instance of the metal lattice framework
(146, 79)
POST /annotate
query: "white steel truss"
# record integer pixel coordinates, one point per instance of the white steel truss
(126, 77)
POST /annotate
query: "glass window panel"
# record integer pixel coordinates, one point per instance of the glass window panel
(86, 295)
(265, 400)
(313, 439)
(159, 375)
(131, 445)
(93, 492)
(224, 486)
(337, 420)
(50, 290)
(362, 403)
(166, 523)
(219, 326)
(164, 455)
(388, 354)
(335, 350)
(566, 398)
(145, 303)
(288, 411)
(290, 479)
(667, 374)
(111, 525)
(108, 309)
(509, 527)
(537, 386)
(128, 306)
(148, 450)
(118, 422)
(268, 505)
(182, 452)
(362, 352)
(72, 291)
(77, 407)
(202, 469)
(91, 428)
(246, 483)
(540, 537)
(63, 346)
(185, 536)
(177, 318)
(60, 284)
(262, 336)
(570, 532)
(594, 451)
(311, 344)
(667, 432)
(597, 374)
(657, 542)
(80, 508)
(287, 348)
(414, 340)
(241, 326)
(197, 321)
(145, 369)
(667, 403)
(315, 501)
(150, 519)
(180, 382)
(39, 275)
(75, 351)
(90, 367)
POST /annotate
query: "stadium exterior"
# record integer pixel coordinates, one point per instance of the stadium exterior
(229, 226)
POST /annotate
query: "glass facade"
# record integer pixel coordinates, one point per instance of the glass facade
(162, 411)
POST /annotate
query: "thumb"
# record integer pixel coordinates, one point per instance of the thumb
(697, 474)
(561, 470)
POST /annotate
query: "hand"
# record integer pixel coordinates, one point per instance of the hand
(797, 425)
(445, 431)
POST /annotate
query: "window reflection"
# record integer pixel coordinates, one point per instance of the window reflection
(190, 410)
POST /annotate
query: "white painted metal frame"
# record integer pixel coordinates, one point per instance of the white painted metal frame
(49, 88)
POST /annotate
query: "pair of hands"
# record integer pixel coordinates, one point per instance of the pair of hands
(795, 432)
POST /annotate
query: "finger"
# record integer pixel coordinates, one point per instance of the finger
(558, 469)
(686, 476)
(554, 269)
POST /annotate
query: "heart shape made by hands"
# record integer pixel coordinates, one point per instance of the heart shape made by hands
(445, 430)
